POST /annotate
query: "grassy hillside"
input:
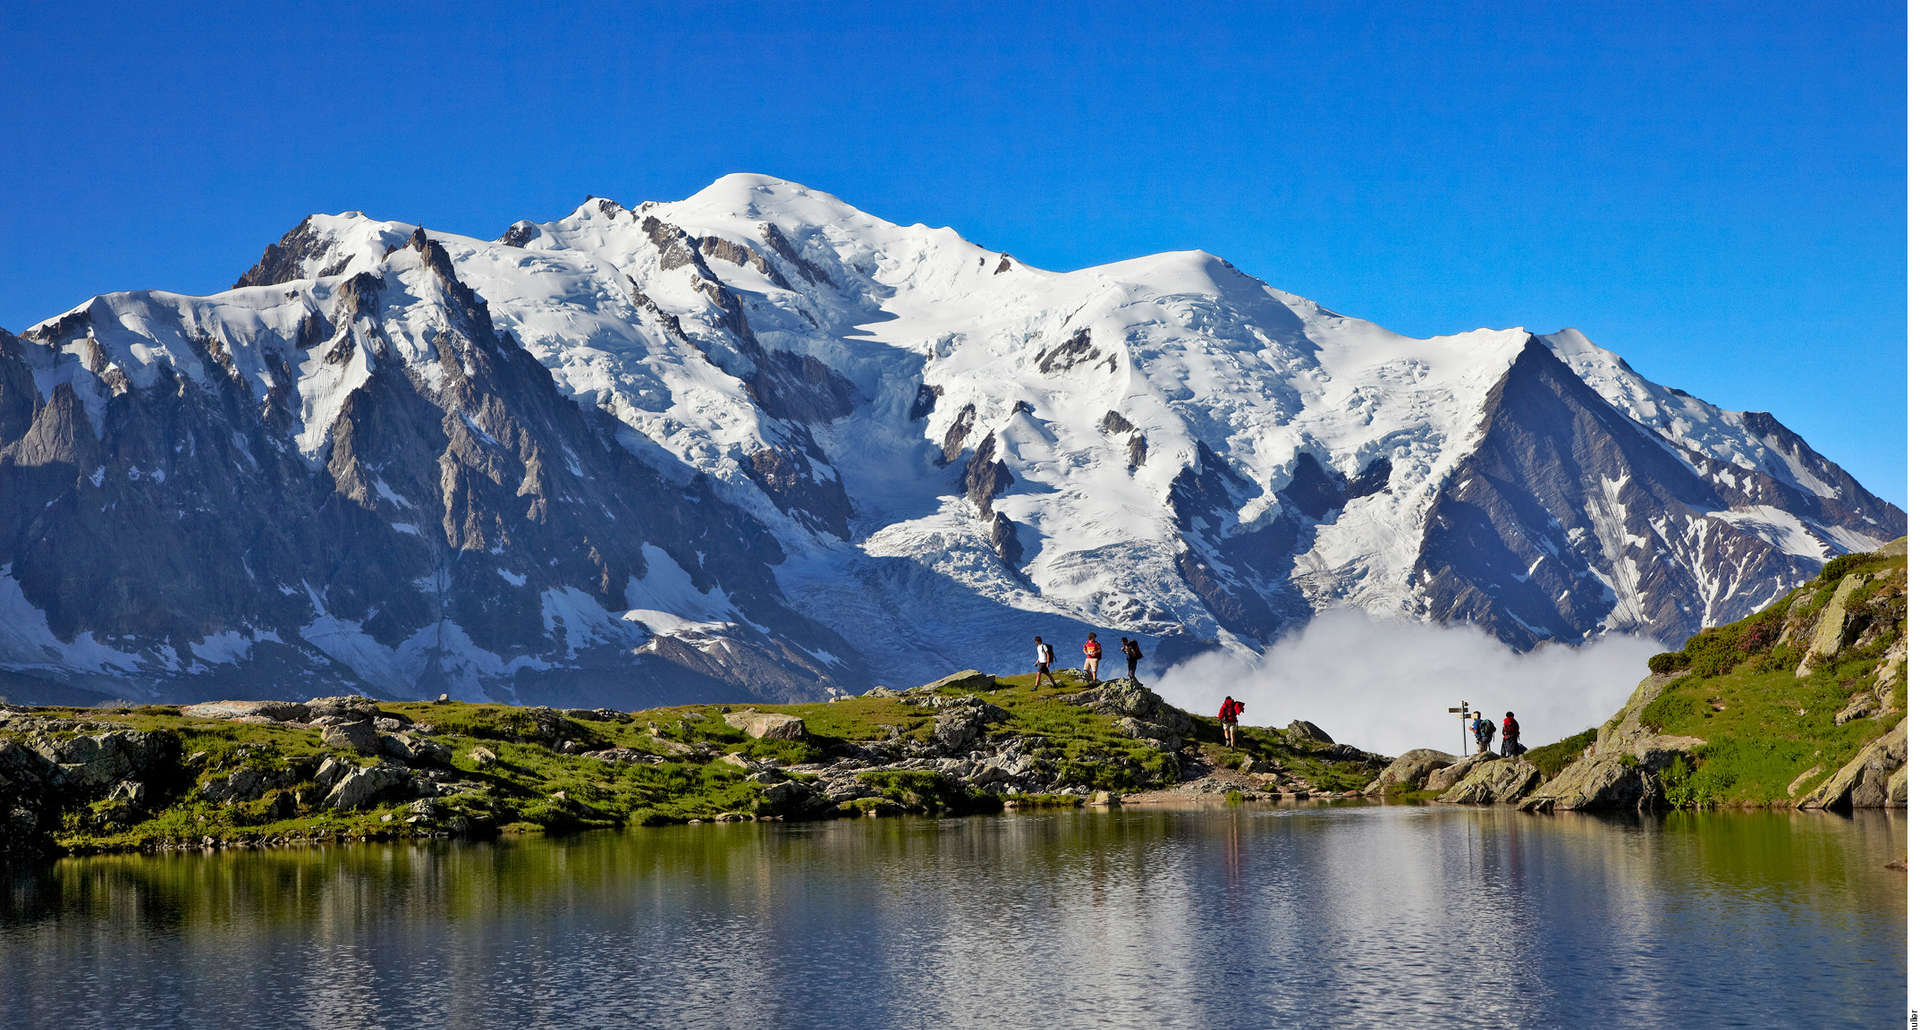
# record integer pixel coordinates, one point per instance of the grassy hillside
(1766, 710)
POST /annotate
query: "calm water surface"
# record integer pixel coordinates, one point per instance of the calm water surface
(1222, 918)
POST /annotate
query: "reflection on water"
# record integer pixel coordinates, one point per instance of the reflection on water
(1238, 917)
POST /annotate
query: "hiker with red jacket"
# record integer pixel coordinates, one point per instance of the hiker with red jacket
(1510, 737)
(1230, 717)
(1092, 650)
(1042, 662)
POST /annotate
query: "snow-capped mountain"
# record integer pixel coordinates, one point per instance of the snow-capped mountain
(758, 439)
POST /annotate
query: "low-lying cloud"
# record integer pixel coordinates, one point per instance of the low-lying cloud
(1385, 685)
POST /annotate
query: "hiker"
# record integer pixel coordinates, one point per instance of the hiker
(1092, 650)
(1131, 650)
(1230, 717)
(1510, 745)
(1482, 732)
(1042, 662)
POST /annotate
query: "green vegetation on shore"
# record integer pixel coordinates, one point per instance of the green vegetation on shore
(151, 778)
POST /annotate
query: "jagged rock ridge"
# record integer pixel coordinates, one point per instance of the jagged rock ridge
(759, 440)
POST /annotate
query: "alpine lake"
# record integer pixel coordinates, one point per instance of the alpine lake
(1246, 915)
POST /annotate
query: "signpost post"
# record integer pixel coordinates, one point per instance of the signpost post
(1463, 711)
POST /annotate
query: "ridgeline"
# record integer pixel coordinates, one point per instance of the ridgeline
(259, 773)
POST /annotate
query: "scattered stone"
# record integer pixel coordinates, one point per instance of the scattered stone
(623, 755)
(767, 725)
(1445, 778)
(1300, 731)
(483, 756)
(966, 679)
(359, 736)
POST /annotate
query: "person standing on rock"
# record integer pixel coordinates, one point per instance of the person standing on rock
(1230, 718)
(1130, 649)
(1482, 732)
(1092, 650)
(1042, 663)
(1510, 737)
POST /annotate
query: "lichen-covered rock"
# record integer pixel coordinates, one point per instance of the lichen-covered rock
(1621, 769)
(1444, 779)
(767, 725)
(1300, 731)
(90, 763)
(1498, 782)
(1829, 634)
(1412, 767)
(362, 787)
(361, 737)
(277, 711)
(966, 679)
(1868, 780)
(1129, 698)
(960, 725)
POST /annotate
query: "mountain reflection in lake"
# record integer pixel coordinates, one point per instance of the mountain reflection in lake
(1245, 916)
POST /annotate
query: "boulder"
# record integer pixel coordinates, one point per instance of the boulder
(277, 711)
(1443, 779)
(597, 715)
(330, 772)
(1499, 782)
(362, 787)
(483, 756)
(1411, 767)
(1140, 729)
(1829, 633)
(1301, 731)
(1868, 780)
(966, 679)
(791, 797)
(243, 784)
(361, 737)
(767, 725)
(1128, 698)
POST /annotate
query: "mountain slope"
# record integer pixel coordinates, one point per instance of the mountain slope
(928, 452)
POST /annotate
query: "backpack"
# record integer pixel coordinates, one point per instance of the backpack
(1048, 649)
(1131, 649)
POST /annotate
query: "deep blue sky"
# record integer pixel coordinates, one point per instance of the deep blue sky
(1715, 191)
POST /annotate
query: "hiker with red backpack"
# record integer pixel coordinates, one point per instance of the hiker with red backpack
(1092, 650)
(1510, 745)
(1042, 662)
(1230, 717)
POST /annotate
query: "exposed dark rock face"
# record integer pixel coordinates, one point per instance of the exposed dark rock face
(519, 234)
(924, 398)
(1561, 484)
(434, 515)
(1318, 491)
(787, 475)
(1114, 422)
(808, 270)
(1078, 349)
(282, 261)
(726, 250)
(986, 477)
(957, 433)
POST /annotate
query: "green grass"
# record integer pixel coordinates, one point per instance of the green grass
(1552, 758)
(518, 790)
(1763, 726)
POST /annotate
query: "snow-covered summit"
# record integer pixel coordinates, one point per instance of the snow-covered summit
(947, 448)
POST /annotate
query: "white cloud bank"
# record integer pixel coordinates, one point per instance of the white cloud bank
(1386, 685)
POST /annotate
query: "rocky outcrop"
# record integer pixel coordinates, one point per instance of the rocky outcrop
(1876, 778)
(1621, 768)
(1498, 782)
(1444, 779)
(1830, 631)
(1412, 767)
